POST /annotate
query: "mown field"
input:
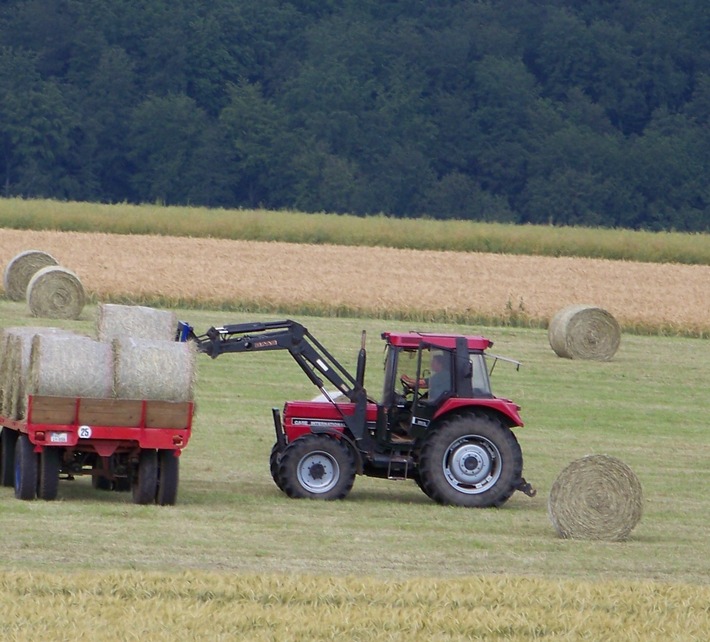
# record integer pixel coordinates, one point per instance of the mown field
(236, 559)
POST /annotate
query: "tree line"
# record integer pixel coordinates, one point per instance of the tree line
(587, 113)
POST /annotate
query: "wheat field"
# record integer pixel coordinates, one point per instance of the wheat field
(382, 282)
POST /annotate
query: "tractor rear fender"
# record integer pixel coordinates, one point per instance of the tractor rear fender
(506, 410)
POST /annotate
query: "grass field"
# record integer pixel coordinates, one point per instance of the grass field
(236, 559)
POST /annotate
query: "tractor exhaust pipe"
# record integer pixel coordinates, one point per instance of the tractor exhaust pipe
(361, 362)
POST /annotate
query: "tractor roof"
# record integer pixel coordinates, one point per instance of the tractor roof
(415, 339)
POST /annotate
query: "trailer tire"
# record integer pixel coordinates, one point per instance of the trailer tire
(145, 481)
(168, 478)
(274, 461)
(317, 467)
(25, 469)
(471, 460)
(8, 440)
(49, 466)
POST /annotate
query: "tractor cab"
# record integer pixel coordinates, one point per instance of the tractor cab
(427, 375)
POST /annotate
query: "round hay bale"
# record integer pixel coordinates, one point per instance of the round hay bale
(115, 321)
(20, 271)
(56, 293)
(7, 367)
(146, 369)
(597, 497)
(70, 366)
(16, 343)
(584, 332)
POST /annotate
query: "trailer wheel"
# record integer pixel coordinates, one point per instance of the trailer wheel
(274, 461)
(317, 467)
(471, 460)
(168, 477)
(25, 469)
(8, 439)
(49, 465)
(145, 481)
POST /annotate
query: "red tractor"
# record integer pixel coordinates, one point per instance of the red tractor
(438, 422)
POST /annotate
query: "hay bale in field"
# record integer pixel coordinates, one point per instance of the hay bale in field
(20, 271)
(116, 321)
(70, 366)
(146, 369)
(596, 497)
(56, 293)
(584, 332)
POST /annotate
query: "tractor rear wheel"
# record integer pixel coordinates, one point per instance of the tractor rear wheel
(471, 460)
(317, 467)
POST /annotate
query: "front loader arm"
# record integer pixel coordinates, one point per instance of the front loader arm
(313, 358)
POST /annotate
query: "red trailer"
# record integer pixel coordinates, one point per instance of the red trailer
(123, 444)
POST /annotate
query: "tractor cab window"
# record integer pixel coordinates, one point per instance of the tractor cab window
(431, 375)
(438, 381)
(481, 382)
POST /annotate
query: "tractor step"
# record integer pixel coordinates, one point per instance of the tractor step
(398, 467)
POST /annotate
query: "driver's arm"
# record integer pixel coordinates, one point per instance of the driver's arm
(423, 383)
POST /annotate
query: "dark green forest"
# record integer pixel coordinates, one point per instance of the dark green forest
(584, 112)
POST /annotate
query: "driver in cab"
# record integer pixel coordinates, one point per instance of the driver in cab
(438, 382)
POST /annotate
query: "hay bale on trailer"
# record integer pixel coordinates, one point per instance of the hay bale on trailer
(20, 271)
(15, 348)
(596, 497)
(6, 358)
(57, 293)
(159, 370)
(116, 321)
(70, 366)
(584, 332)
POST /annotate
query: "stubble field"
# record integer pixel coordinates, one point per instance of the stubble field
(379, 282)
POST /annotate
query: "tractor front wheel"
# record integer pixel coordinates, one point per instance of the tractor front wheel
(274, 462)
(317, 467)
(471, 460)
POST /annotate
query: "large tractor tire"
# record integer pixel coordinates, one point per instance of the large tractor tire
(317, 467)
(145, 481)
(49, 466)
(168, 478)
(274, 462)
(471, 460)
(8, 439)
(25, 469)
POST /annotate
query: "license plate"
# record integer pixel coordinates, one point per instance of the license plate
(59, 437)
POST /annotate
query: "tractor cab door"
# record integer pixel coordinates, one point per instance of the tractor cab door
(450, 374)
